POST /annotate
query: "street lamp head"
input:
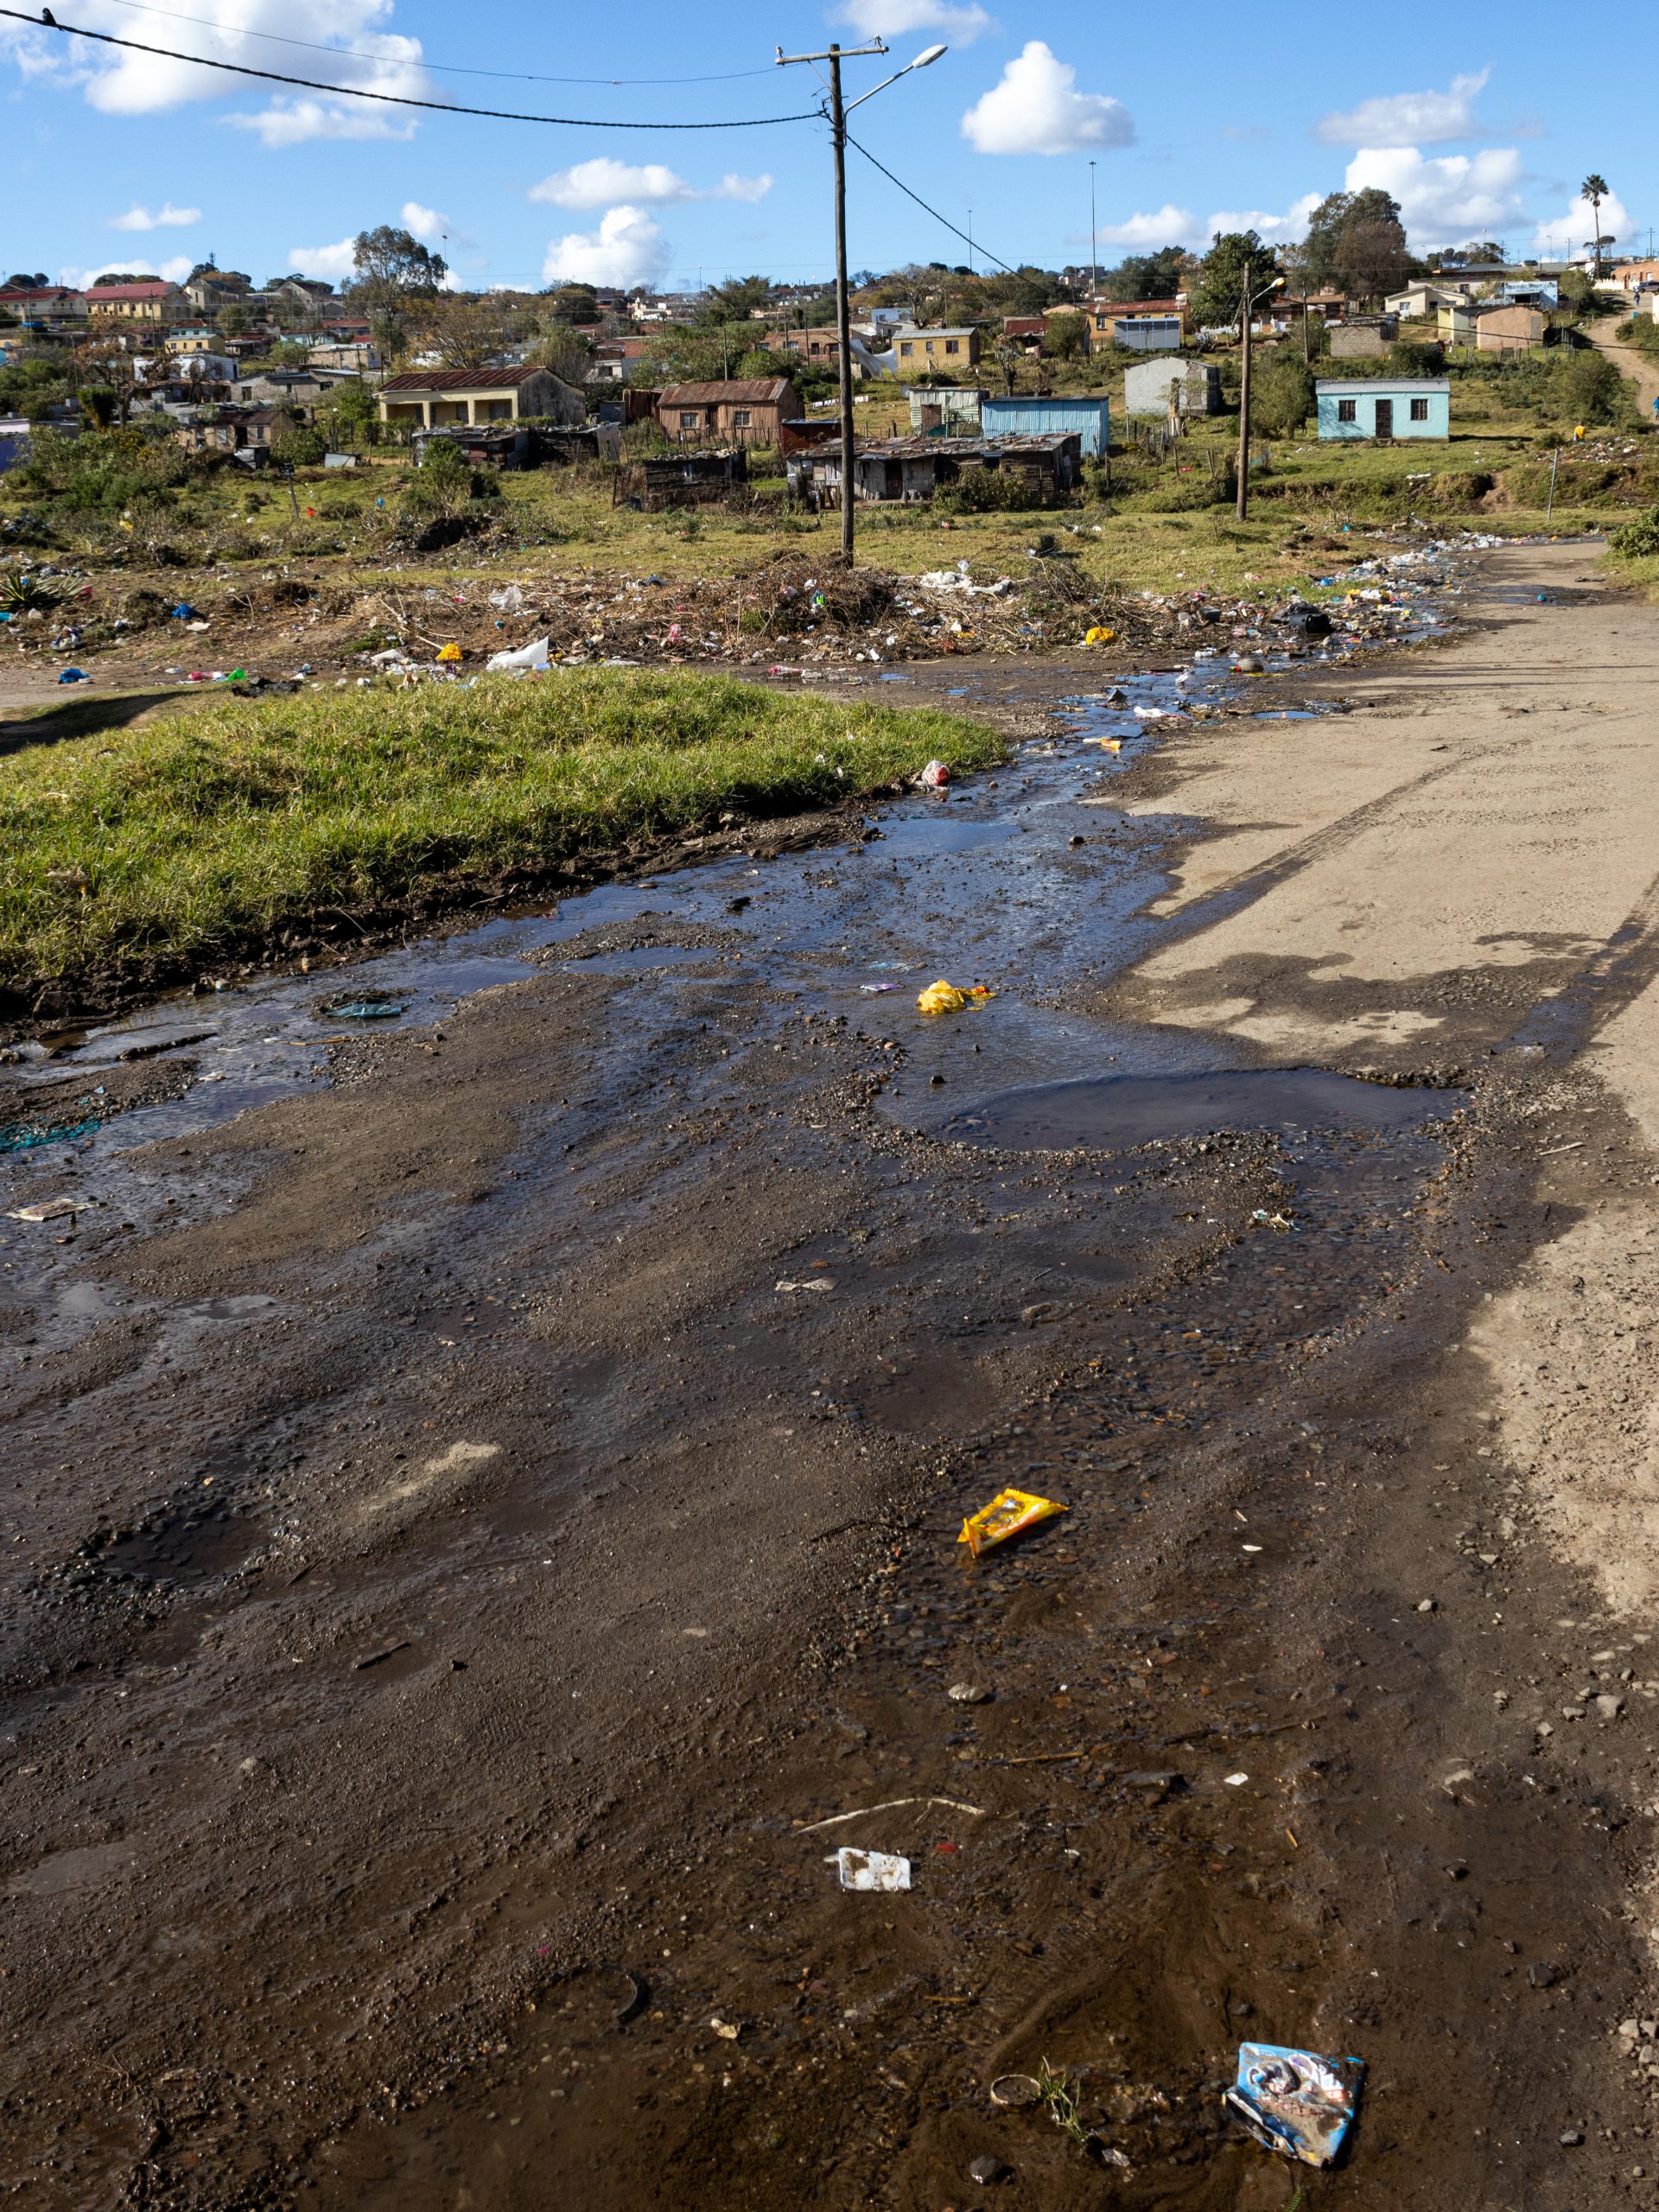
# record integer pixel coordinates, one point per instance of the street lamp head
(929, 55)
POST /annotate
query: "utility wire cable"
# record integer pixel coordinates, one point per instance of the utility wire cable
(443, 68)
(977, 244)
(397, 99)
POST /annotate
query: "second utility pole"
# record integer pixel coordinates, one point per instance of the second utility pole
(843, 314)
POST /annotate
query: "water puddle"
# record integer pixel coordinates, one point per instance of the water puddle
(1105, 1112)
(185, 1548)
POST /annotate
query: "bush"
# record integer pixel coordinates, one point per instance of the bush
(1281, 393)
(1590, 387)
(991, 490)
(103, 470)
(1637, 539)
(447, 498)
(300, 447)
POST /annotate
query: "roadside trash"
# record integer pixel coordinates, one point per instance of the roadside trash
(1272, 1220)
(870, 1870)
(509, 599)
(1294, 2101)
(1009, 1513)
(364, 1010)
(1096, 636)
(49, 1209)
(23, 1136)
(184, 612)
(674, 633)
(874, 987)
(1014, 2090)
(945, 998)
(1237, 1781)
(530, 656)
(1110, 744)
(818, 1282)
(74, 675)
(449, 653)
(934, 777)
(1249, 664)
(967, 1693)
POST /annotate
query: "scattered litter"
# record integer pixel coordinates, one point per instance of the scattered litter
(184, 612)
(1016, 2089)
(450, 654)
(1110, 744)
(507, 599)
(945, 998)
(873, 989)
(890, 1805)
(897, 967)
(1272, 1220)
(74, 675)
(870, 1870)
(934, 777)
(531, 655)
(1237, 1781)
(1296, 2102)
(1009, 1513)
(1097, 636)
(816, 1282)
(967, 1693)
(49, 1209)
(364, 1010)
(23, 1136)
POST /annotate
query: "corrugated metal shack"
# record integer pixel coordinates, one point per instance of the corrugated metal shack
(916, 468)
(683, 479)
(1048, 415)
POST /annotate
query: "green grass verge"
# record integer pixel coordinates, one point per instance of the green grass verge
(154, 851)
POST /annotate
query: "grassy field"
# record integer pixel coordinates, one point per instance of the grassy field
(159, 850)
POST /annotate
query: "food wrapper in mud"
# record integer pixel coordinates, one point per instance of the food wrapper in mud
(1294, 2102)
(872, 1870)
(1008, 1512)
(945, 998)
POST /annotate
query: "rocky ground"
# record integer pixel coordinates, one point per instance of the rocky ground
(486, 1485)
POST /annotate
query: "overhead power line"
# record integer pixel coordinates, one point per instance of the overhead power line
(976, 245)
(443, 68)
(396, 99)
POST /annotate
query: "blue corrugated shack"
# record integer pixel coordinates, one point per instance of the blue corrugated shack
(1088, 417)
(1384, 407)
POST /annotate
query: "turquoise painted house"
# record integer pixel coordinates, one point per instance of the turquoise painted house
(1384, 407)
(1089, 417)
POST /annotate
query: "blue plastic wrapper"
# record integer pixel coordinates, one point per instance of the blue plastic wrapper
(1294, 2102)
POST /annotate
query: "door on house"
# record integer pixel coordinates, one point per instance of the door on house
(1385, 418)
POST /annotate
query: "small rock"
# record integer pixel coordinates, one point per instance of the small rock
(1542, 1975)
(1571, 2138)
(967, 1693)
(1425, 1605)
(986, 2170)
(1609, 1707)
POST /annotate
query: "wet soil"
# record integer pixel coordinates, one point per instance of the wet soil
(485, 1488)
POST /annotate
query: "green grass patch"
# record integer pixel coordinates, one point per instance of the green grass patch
(155, 851)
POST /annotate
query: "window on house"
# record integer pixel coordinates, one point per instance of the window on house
(740, 418)
(687, 419)
(905, 348)
(929, 344)
(1420, 410)
(1347, 410)
(951, 346)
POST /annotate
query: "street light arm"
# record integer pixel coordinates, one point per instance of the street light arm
(922, 62)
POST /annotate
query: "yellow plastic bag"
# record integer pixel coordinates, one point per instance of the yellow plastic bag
(449, 653)
(945, 998)
(1110, 744)
(1008, 1513)
(1099, 637)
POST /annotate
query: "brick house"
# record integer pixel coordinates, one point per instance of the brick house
(422, 399)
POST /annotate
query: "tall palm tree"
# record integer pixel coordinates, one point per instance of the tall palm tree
(1594, 189)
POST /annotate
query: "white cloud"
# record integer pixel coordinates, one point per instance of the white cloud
(1169, 225)
(1571, 232)
(1288, 229)
(895, 18)
(370, 57)
(166, 218)
(1408, 118)
(1035, 108)
(335, 262)
(1448, 200)
(426, 223)
(628, 248)
(605, 183)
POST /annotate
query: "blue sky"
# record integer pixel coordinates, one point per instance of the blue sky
(1473, 117)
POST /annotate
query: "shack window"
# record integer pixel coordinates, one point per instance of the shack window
(951, 346)
(1420, 410)
(905, 348)
(687, 419)
(740, 418)
(1347, 410)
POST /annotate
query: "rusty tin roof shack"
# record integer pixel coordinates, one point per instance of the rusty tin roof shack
(917, 467)
(735, 410)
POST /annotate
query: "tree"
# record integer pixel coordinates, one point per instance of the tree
(103, 362)
(574, 303)
(700, 353)
(1146, 275)
(1233, 256)
(1357, 240)
(352, 417)
(466, 333)
(232, 320)
(1007, 357)
(732, 301)
(1281, 391)
(558, 346)
(1065, 337)
(21, 280)
(393, 270)
(1591, 386)
(126, 277)
(1594, 189)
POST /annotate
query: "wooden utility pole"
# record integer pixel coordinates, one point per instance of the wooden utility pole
(835, 56)
(1243, 501)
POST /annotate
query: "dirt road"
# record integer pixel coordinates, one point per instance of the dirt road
(486, 1488)
(1630, 361)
